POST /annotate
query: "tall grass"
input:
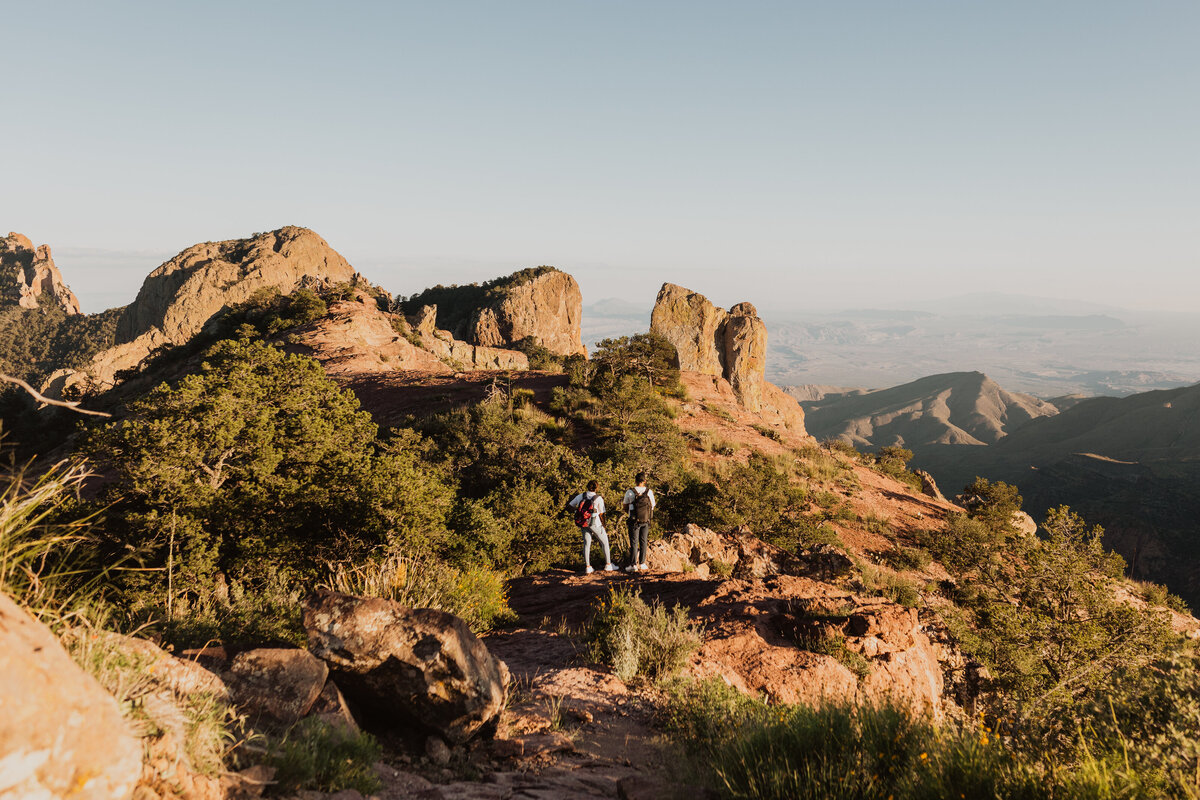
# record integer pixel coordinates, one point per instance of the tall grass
(639, 638)
(747, 749)
(45, 553)
(475, 593)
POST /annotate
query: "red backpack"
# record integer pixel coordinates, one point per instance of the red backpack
(583, 511)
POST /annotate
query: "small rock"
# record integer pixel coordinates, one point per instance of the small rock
(437, 751)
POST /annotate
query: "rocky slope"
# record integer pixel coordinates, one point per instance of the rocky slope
(954, 408)
(727, 344)
(29, 279)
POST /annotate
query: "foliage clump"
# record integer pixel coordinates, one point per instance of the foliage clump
(639, 638)
(317, 755)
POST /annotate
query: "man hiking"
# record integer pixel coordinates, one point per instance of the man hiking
(639, 502)
(589, 516)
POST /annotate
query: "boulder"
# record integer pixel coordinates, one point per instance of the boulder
(276, 684)
(548, 307)
(29, 278)
(929, 486)
(709, 340)
(61, 734)
(332, 708)
(404, 665)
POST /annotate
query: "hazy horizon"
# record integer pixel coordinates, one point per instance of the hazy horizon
(810, 155)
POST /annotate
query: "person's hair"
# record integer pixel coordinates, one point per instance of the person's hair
(640, 479)
(593, 486)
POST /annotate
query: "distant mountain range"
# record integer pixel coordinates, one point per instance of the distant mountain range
(1130, 464)
(954, 408)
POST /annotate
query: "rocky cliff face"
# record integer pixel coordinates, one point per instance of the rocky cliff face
(541, 303)
(548, 308)
(180, 297)
(29, 278)
(725, 344)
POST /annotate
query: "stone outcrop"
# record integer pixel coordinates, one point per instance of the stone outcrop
(548, 308)
(399, 665)
(182, 296)
(29, 278)
(725, 344)
(61, 734)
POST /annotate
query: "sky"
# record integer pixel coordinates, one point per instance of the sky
(799, 155)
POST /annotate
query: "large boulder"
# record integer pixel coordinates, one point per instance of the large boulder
(724, 344)
(182, 296)
(61, 734)
(399, 665)
(29, 278)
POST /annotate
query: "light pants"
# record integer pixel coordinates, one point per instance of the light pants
(602, 537)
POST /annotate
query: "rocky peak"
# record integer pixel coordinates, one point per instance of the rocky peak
(542, 303)
(29, 278)
(726, 344)
(182, 296)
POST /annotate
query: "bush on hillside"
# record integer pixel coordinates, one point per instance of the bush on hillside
(639, 638)
(258, 459)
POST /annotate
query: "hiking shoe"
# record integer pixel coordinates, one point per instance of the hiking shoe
(610, 567)
(631, 568)
(590, 569)
(643, 567)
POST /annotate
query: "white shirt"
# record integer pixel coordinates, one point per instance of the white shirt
(597, 509)
(631, 495)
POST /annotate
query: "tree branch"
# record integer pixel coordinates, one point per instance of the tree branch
(46, 401)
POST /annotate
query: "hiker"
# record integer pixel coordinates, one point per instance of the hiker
(639, 502)
(589, 516)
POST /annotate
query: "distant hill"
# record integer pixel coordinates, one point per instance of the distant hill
(1130, 464)
(959, 408)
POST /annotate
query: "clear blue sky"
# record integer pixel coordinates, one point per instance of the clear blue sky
(793, 154)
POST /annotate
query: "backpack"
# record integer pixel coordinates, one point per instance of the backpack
(583, 511)
(641, 508)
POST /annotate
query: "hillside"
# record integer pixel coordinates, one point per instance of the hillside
(366, 543)
(1129, 464)
(958, 408)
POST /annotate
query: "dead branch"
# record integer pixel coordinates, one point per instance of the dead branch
(46, 401)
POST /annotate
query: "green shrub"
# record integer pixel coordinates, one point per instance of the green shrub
(722, 569)
(475, 593)
(719, 413)
(835, 645)
(316, 755)
(812, 531)
(636, 638)
(907, 558)
(768, 432)
(841, 446)
(896, 588)
(873, 523)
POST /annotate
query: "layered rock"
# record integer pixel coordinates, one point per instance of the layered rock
(29, 278)
(182, 296)
(61, 734)
(725, 344)
(402, 665)
(277, 684)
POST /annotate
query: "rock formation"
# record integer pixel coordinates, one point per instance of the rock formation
(277, 684)
(61, 734)
(411, 665)
(726, 344)
(548, 308)
(544, 304)
(183, 295)
(29, 278)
